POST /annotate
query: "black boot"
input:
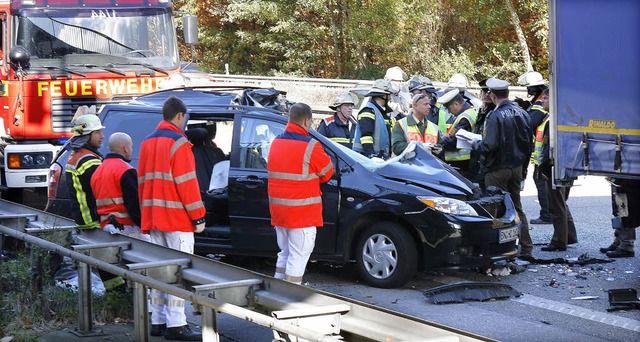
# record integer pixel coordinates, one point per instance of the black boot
(620, 253)
(183, 333)
(612, 247)
(158, 329)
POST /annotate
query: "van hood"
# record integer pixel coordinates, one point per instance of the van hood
(416, 165)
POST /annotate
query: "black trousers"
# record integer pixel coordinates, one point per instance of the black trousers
(541, 186)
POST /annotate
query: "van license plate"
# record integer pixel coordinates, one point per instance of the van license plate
(509, 234)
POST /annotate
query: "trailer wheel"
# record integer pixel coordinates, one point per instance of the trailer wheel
(386, 255)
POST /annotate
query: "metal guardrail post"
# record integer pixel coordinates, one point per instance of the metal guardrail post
(210, 325)
(85, 309)
(140, 312)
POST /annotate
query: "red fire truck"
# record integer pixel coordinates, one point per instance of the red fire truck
(57, 55)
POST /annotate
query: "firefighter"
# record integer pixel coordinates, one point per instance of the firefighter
(400, 99)
(373, 130)
(171, 208)
(82, 163)
(297, 166)
(535, 87)
(115, 185)
(340, 127)
(416, 127)
(564, 229)
(465, 118)
(461, 82)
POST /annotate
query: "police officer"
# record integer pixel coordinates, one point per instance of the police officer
(373, 130)
(506, 147)
(535, 87)
(340, 127)
(476, 173)
(465, 118)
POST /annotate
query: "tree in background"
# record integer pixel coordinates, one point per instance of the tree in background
(362, 38)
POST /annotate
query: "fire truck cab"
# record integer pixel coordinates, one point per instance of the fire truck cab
(57, 55)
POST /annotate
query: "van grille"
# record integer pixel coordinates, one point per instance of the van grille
(63, 109)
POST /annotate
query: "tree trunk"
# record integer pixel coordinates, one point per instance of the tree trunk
(521, 38)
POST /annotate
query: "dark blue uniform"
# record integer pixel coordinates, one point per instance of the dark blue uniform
(336, 130)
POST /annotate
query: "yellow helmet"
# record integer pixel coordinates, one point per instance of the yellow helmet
(86, 124)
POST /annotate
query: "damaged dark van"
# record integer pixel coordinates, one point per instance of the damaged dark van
(391, 218)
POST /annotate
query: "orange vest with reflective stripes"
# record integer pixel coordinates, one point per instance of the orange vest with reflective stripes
(107, 189)
(412, 133)
(169, 193)
(297, 164)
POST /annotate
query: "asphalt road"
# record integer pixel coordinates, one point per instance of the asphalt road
(547, 310)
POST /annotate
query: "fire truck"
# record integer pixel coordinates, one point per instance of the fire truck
(57, 55)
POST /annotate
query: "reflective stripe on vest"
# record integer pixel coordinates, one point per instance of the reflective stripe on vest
(443, 117)
(538, 145)
(76, 173)
(379, 143)
(462, 153)
(412, 133)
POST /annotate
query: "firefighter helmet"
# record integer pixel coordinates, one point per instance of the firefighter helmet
(458, 80)
(86, 124)
(380, 87)
(395, 74)
(531, 78)
(342, 98)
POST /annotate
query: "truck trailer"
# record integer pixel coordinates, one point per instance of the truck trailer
(595, 96)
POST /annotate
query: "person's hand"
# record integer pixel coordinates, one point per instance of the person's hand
(111, 229)
(200, 228)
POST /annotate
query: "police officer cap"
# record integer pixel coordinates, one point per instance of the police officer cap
(497, 84)
(448, 96)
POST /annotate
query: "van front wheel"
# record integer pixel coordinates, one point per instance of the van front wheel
(386, 255)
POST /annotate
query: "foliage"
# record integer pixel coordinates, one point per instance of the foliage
(25, 315)
(362, 38)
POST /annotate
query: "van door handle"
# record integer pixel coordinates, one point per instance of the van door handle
(250, 180)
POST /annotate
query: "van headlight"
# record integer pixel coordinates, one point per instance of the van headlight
(448, 205)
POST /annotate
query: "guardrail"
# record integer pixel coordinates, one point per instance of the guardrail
(213, 286)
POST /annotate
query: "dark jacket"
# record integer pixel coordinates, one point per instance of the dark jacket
(368, 124)
(507, 138)
(333, 128)
(81, 165)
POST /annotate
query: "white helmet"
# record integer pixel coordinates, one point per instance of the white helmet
(342, 98)
(458, 80)
(395, 74)
(531, 78)
(86, 124)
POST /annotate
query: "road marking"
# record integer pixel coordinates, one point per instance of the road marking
(567, 309)
(573, 310)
